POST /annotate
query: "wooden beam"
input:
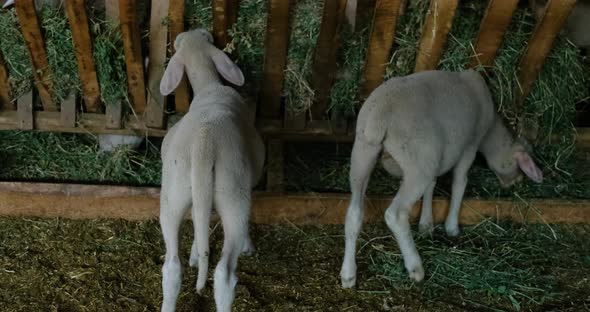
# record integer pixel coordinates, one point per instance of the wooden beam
(31, 30)
(136, 203)
(86, 123)
(76, 12)
(434, 34)
(540, 44)
(181, 95)
(68, 111)
(324, 65)
(4, 85)
(158, 41)
(491, 31)
(24, 115)
(275, 57)
(133, 59)
(225, 14)
(380, 42)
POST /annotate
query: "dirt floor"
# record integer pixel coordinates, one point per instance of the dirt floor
(60, 265)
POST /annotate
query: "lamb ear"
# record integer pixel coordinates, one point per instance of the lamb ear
(350, 12)
(8, 3)
(228, 69)
(528, 166)
(172, 75)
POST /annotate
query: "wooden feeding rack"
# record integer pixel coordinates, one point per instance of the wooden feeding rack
(149, 107)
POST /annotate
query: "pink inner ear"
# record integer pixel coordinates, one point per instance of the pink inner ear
(528, 166)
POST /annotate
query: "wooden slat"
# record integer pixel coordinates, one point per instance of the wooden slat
(275, 58)
(31, 30)
(4, 85)
(181, 95)
(140, 203)
(133, 59)
(225, 13)
(380, 42)
(68, 111)
(158, 39)
(324, 66)
(540, 44)
(491, 31)
(275, 172)
(86, 123)
(76, 12)
(113, 111)
(25, 117)
(434, 35)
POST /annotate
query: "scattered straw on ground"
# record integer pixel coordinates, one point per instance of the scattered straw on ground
(52, 264)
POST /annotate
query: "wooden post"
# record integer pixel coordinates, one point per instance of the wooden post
(324, 66)
(25, 111)
(181, 96)
(540, 44)
(113, 111)
(76, 11)
(31, 30)
(491, 32)
(275, 173)
(225, 14)
(68, 111)
(275, 57)
(434, 35)
(380, 42)
(4, 86)
(133, 59)
(158, 40)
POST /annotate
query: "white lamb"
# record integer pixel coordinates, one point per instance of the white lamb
(212, 157)
(426, 124)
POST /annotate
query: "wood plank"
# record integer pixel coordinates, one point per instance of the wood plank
(76, 201)
(491, 31)
(87, 123)
(158, 40)
(275, 58)
(540, 44)
(113, 111)
(31, 30)
(275, 172)
(181, 95)
(112, 9)
(4, 85)
(434, 34)
(24, 112)
(225, 14)
(68, 111)
(381, 38)
(133, 58)
(76, 12)
(324, 65)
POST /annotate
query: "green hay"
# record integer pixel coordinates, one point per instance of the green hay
(109, 59)
(306, 18)
(495, 267)
(44, 156)
(61, 55)
(198, 14)
(16, 55)
(109, 265)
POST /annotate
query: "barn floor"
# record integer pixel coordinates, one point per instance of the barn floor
(61, 265)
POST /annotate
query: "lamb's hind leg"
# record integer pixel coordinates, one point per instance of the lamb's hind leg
(234, 210)
(363, 159)
(397, 219)
(172, 210)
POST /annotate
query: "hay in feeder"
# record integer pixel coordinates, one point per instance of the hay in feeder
(16, 55)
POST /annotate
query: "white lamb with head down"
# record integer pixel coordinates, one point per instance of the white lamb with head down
(212, 157)
(424, 125)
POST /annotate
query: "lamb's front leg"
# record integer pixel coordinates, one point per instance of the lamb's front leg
(426, 224)
(459, 184)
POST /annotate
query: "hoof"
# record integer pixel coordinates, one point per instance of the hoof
(416, 273)
(348, 282)
(426, 229)
(453, 231)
